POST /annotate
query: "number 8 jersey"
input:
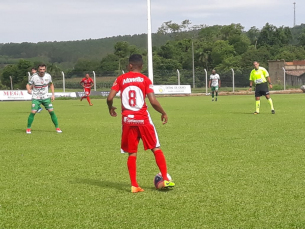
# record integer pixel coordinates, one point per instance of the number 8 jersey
(134, 87)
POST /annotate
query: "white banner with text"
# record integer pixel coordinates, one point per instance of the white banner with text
(11, 95)
(15, 95)
(172, 89)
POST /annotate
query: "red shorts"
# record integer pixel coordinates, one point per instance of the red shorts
(131, 136)
(87, 91)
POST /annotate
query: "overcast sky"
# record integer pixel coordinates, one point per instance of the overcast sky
(63, 20)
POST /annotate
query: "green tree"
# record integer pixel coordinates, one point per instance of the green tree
(210, 33)
(253, 34)
(18, 72)
(220, 51)
(270, 35)
(301, 39)
(83, 65)
(229, 31)
(109, 63)
(167, 51)
(261, 55)
(54, 71)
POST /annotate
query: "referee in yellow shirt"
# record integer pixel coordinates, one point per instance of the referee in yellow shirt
(259, 76)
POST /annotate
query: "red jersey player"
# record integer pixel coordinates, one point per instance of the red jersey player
(87, 84)
(136, 121)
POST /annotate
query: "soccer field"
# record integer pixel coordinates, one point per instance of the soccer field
(232, 169)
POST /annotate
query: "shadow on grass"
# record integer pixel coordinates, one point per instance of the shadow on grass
(35, 131)
(104, 184)
(246, 113)
(115, 185)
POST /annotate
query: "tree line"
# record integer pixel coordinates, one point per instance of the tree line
(174, 45)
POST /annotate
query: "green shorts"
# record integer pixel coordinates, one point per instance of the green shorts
(214, 88)
(45, 102)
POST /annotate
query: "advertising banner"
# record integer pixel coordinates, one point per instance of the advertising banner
(172, 89)
(15, 95)
(93, 93)
(63, 94)
(11, 95)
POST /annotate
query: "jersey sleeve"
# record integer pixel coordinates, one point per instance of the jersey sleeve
(31, 81)
(265, 72)
(116, 85)
(251, 76)
(149, 86)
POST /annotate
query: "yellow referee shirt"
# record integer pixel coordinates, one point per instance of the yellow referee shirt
(259, 76)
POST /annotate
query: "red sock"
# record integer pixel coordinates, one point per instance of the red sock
(132, 169)
(160, 160)
(83, 97)
(88, 99)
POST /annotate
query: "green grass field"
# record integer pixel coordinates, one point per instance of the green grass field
(232, 169)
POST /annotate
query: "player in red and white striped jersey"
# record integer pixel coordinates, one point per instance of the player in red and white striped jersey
(136, 121)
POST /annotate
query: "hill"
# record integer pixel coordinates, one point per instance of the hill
(71, 51)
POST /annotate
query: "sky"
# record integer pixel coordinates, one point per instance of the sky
(66, 20)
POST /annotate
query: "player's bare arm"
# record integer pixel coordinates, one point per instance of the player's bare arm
(210, 83)
(250, 86)
(157, 106)
(269, 81)
(111, 108)
(219, 83)
(52, 90)
(29, 88)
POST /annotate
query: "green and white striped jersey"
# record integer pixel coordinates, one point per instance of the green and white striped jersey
(40, 85)
(215, 79)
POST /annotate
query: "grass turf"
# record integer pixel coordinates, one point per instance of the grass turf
(232, 169)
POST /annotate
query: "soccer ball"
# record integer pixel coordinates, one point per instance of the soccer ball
(303, 88)
(158, 180)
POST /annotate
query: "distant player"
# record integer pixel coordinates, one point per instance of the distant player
(260, 76)
(136, 121)
(87, 84)
(38, 88)
(214, 83)
(33, 71)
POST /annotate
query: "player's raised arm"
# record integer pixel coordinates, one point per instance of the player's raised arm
(111, 108)
(157, 106)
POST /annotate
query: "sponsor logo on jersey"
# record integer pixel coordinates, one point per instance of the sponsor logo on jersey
(133, 121)
(131, 80)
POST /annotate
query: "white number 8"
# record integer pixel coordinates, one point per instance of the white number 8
(132, 98)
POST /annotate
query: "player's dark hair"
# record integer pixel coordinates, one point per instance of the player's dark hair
(136, 60)
(34, 68)
(41, 65)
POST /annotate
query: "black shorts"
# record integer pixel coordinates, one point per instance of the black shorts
(261, 89)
